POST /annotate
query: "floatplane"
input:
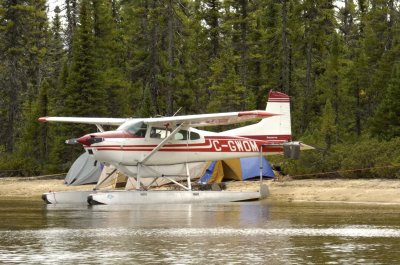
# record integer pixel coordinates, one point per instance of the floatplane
(170, 147)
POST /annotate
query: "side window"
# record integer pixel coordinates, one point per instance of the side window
(184, 135)
(194, 136)
(155, 133)
(142, 131)
(138, 129)
(159, 133)
(181, 135)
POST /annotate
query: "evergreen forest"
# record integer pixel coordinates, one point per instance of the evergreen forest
(338, 60)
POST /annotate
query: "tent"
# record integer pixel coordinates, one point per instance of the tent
(84, 170)
(236, 169)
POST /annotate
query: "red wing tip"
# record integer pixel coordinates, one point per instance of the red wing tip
(256, 114)
(42, 119)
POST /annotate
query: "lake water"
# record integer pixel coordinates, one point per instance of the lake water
(233, 233)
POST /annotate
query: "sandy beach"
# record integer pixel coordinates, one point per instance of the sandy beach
(337, 190)
(308, 190)
(33, 187)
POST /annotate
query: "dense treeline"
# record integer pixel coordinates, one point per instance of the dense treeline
(338, 60)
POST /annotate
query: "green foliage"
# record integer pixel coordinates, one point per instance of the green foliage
(328, 127)
(23, 27)
(85, 96)
(368, 158)
(386, 123)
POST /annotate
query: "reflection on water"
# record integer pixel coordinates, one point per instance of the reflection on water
(234, 233)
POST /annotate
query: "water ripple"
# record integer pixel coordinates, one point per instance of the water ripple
(348, 231)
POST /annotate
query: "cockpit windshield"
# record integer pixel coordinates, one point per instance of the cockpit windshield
(136, 128)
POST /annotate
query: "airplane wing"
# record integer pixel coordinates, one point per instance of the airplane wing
(95, 121)
(199, 120)
(202, 120)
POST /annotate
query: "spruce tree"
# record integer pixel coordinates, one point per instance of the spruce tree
(34, 144)
(109, 54)
(23, 32)
(386, 122)
(328, 125)
(85, 95)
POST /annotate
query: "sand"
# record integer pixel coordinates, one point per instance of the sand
(337, 190)
(33, 187)
(309, 190)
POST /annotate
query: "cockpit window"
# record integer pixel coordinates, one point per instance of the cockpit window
(185, 135)
(135, 128)
(194, 136)
(181, 135)
(159, 133)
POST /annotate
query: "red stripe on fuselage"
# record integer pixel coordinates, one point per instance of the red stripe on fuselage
(265, 150)
(232, 144)
(213, 143)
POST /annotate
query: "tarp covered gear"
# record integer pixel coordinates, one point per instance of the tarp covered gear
(195, 173)
(236, 169)
(84, 170)
(111, 179)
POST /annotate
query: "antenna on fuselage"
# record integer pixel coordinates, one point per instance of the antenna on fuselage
(177, 111)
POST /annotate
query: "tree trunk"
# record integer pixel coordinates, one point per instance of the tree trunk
(154, 67)
(72, 17)
(304, 119)
(170, 57)
(214, 28)
(358, 112)
(285, 51)
(13, 105)
(244, 55)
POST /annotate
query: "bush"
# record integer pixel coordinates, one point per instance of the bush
(369, 158)
(12, 165)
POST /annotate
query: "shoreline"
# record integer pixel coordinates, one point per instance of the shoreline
(363, 191)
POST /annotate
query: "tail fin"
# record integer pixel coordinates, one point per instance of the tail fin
(273, 128)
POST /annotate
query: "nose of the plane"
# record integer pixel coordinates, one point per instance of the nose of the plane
(99, 137)
(89, 139)
(84, 140)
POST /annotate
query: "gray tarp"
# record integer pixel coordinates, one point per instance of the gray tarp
(84, 170)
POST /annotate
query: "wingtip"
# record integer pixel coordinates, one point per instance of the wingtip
(42, 119)
(257, 113)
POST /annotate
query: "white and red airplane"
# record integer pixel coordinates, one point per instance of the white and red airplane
(172, 145)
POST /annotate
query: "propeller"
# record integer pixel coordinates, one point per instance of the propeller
(72, 141)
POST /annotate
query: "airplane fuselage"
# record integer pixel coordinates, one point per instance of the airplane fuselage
(131, 151)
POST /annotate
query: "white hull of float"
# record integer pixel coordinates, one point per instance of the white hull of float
(171, 197)
(67, 197)
(124, 197)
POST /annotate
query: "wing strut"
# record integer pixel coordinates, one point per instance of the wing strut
(99, 127)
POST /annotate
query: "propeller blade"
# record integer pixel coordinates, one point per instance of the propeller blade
(72, 141)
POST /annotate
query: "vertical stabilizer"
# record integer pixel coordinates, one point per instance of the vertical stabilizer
(273, 128)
